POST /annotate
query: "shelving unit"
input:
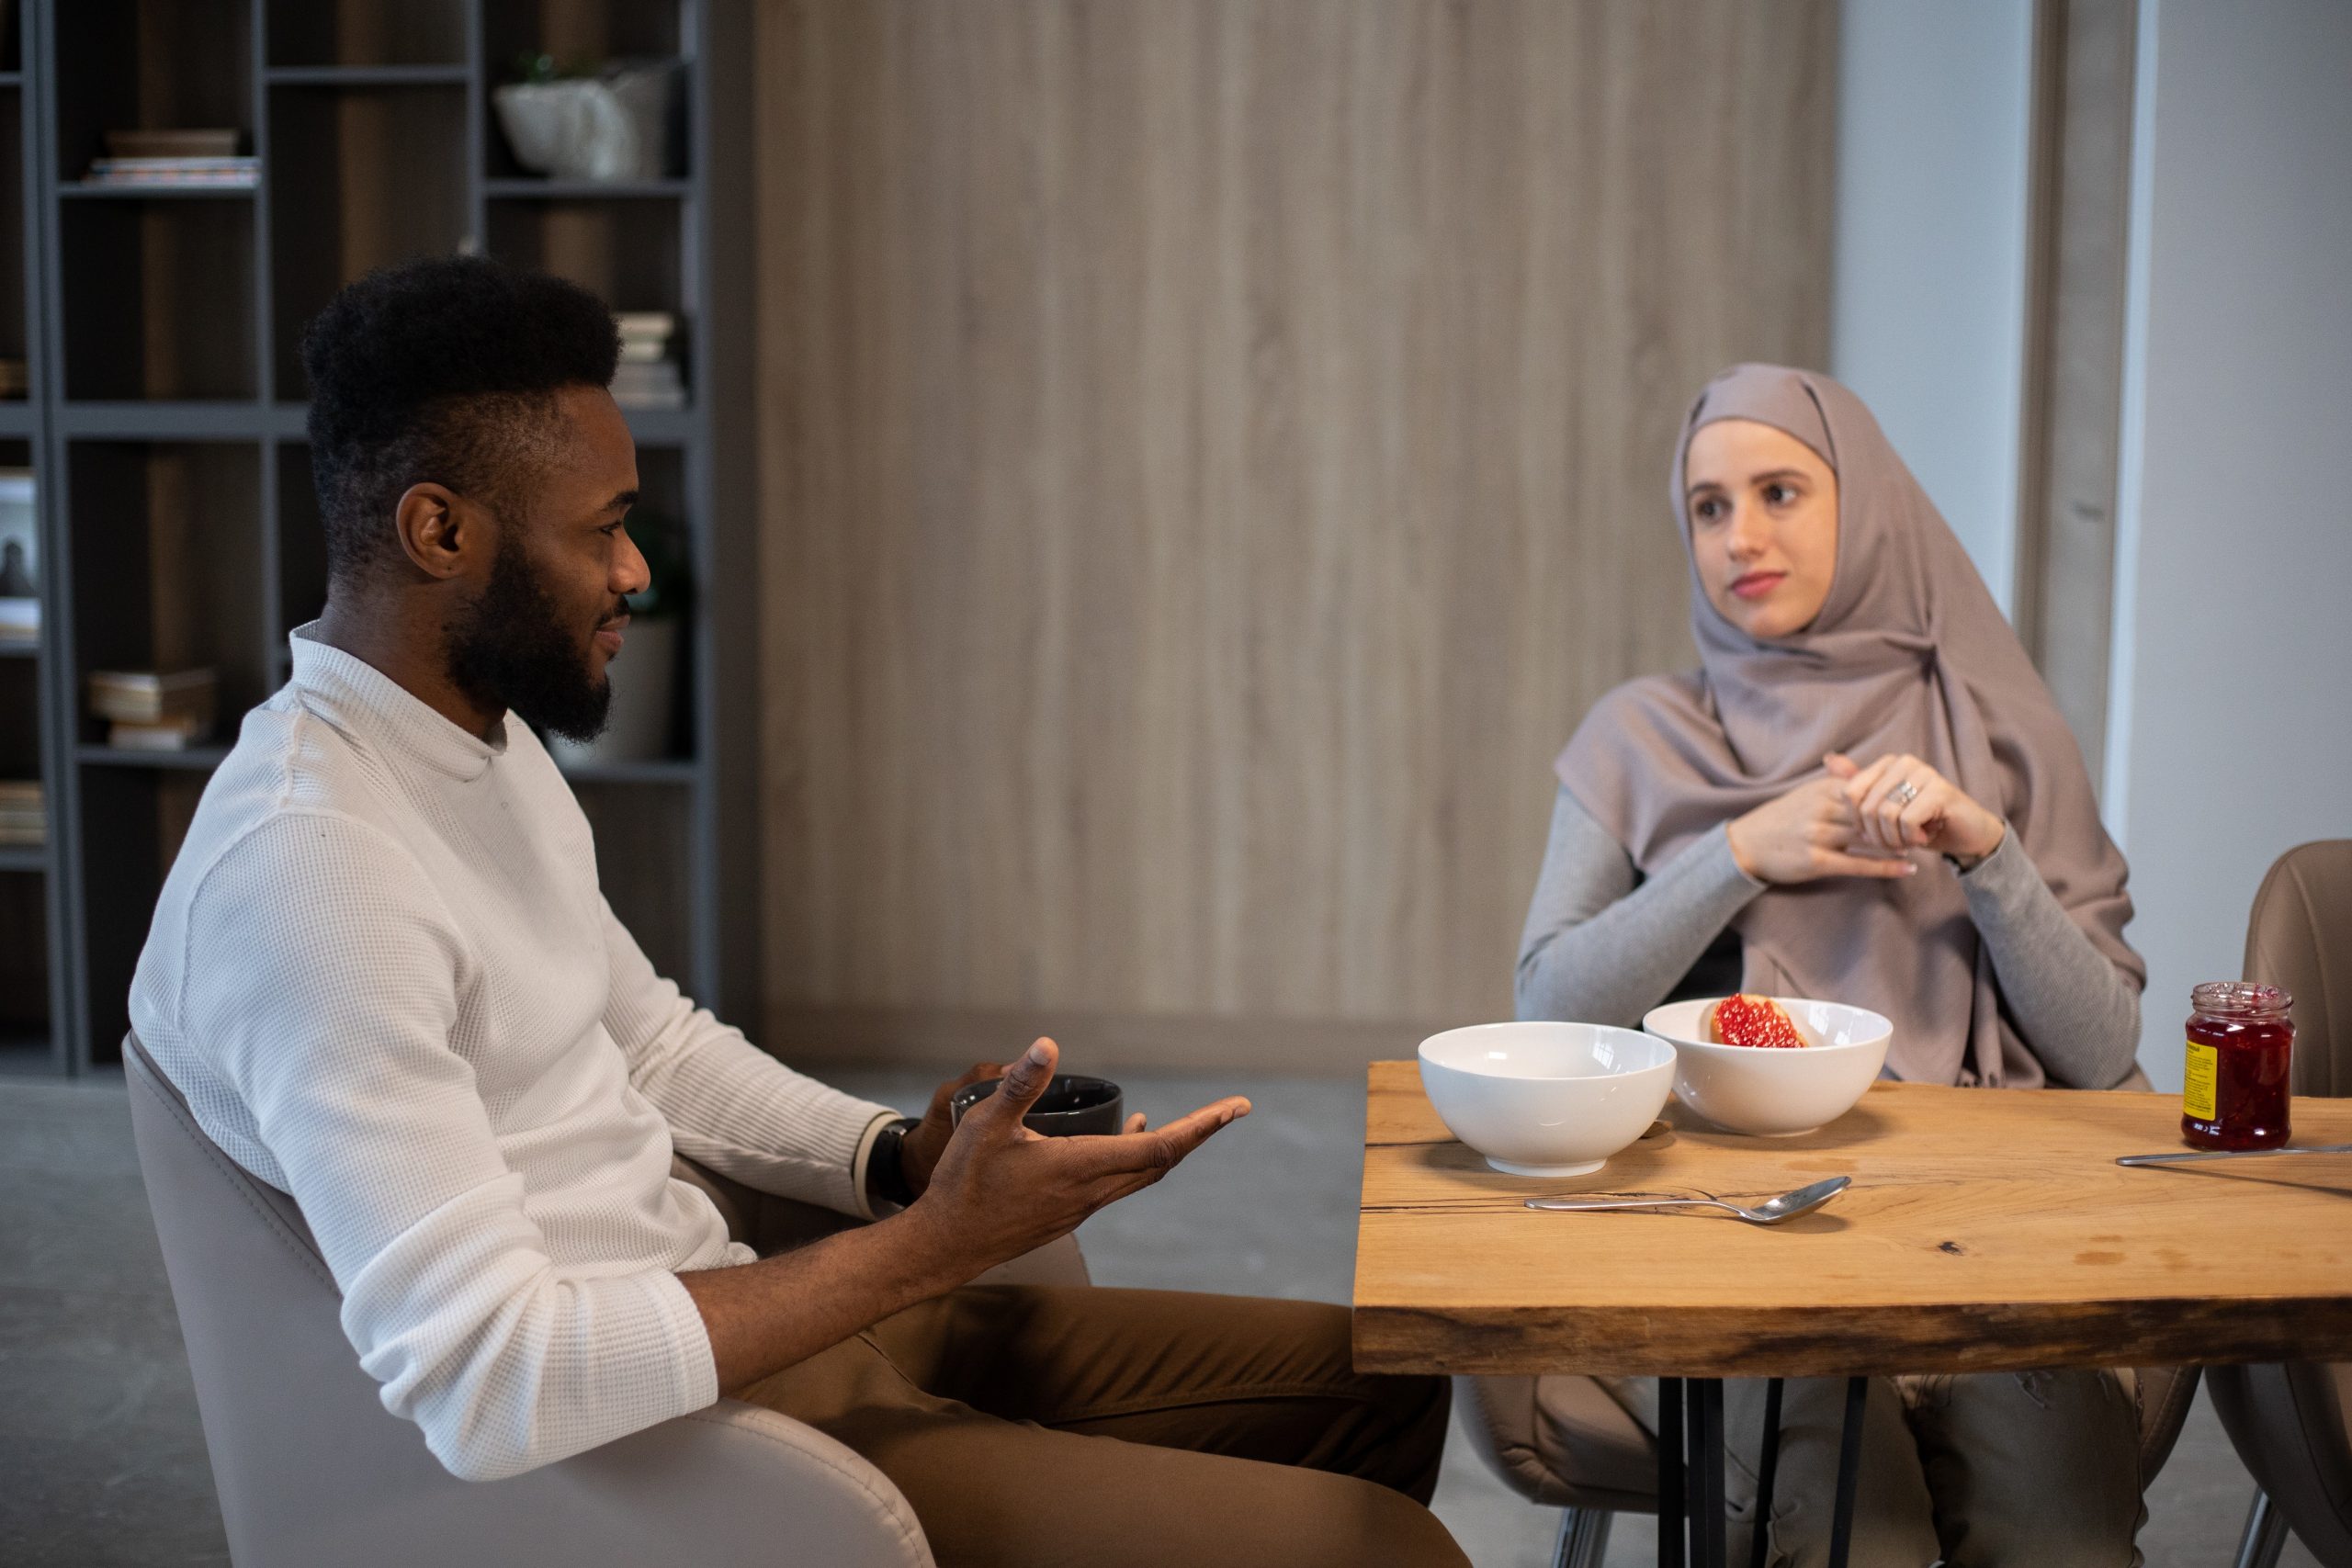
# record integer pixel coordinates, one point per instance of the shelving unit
(34, 997)
(181, 528)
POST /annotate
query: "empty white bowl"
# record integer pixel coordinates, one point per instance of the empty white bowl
(1777, 1092)
(1546, 1098)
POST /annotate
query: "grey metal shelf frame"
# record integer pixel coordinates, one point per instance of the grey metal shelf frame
(161, 332)
(27, 1044)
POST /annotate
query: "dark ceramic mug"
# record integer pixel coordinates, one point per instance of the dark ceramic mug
(1070, 1104)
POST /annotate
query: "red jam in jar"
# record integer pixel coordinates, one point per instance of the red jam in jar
(2240, 1040)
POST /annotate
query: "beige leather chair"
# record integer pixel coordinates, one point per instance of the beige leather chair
(312, 1469)
(2292, 1424)
(1564, 1442)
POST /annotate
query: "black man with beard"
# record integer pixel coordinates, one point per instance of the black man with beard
(383, 974)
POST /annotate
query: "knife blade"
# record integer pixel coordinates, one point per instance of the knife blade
(2232, 1154)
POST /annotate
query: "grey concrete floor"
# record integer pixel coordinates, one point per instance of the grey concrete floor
(102, 1458)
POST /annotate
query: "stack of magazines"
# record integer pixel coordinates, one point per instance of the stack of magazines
(648, 376)
(174, 159)
(233, 174)
(24, 820)
(149, 711)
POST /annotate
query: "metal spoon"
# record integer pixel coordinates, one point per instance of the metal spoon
(1772, 1211)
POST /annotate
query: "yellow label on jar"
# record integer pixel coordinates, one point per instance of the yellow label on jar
(2196, 1092)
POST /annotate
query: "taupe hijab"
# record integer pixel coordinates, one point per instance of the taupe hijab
(1909, 654)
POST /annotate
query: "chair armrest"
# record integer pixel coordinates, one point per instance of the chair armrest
(1563, 1441)
(2164, 1395)
(732, 1486)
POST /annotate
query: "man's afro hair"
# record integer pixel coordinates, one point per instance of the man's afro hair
(442, 369)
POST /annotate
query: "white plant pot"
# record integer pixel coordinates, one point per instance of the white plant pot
(613, 127)
(644, 677)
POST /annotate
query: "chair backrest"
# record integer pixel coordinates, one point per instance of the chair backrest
(303, 1448)
(310, 1468)
(2292, 1424)
(2300, 936)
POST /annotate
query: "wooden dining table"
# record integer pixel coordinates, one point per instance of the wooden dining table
(1983, 1231)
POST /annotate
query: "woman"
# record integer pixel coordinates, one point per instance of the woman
(1864, 793)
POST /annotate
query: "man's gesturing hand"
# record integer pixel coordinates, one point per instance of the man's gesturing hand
(918, 1155)
(999, 1190)
(996, 1190)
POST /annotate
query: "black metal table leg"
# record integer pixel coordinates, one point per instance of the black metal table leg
(1850, 1465)
(1670, 1512)
(1694, 1486)
(1768, 1468)
(1706, 1491)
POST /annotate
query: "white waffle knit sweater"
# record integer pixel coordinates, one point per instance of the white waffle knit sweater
(383, 975)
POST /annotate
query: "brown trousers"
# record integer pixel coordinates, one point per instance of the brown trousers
(1039, 1427)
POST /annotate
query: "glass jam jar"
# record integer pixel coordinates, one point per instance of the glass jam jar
(2240, 1040)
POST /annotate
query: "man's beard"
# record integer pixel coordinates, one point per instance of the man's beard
(510, 649)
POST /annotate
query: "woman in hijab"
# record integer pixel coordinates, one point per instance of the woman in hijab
(1864, 793)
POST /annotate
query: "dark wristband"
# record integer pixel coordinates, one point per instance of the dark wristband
(886, 1163)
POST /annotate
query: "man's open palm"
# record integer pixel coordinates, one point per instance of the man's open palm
(998, 1187)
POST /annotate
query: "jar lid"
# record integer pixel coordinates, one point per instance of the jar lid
(2239, 998)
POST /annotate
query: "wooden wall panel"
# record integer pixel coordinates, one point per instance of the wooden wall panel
(1212, 454)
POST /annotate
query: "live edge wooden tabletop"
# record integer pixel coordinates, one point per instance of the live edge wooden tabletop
(1985, 1230)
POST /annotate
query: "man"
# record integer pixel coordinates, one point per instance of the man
(383, 975)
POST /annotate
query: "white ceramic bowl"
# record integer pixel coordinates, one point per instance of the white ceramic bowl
(1546, 1098)
(1779, 1093)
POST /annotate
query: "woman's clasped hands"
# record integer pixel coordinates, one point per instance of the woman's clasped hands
(1862, 821)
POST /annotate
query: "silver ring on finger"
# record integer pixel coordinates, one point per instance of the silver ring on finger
(1905, 793)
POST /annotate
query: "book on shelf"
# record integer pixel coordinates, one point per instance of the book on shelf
(641, 384)
(232, 173)
(194, 156)
(150, 697)
(200, 141)
(648, 375)
(24, 816)
(165, 735)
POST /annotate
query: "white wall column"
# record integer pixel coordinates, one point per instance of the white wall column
(2230, 730)
(1928, 312)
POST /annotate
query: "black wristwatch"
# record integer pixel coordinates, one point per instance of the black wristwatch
(886, 1164)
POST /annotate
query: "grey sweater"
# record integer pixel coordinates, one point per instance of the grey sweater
(1603, 949)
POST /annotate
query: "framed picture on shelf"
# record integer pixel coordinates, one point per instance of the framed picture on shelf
(19, 558)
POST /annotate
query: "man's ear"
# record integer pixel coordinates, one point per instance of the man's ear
(441, 533)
